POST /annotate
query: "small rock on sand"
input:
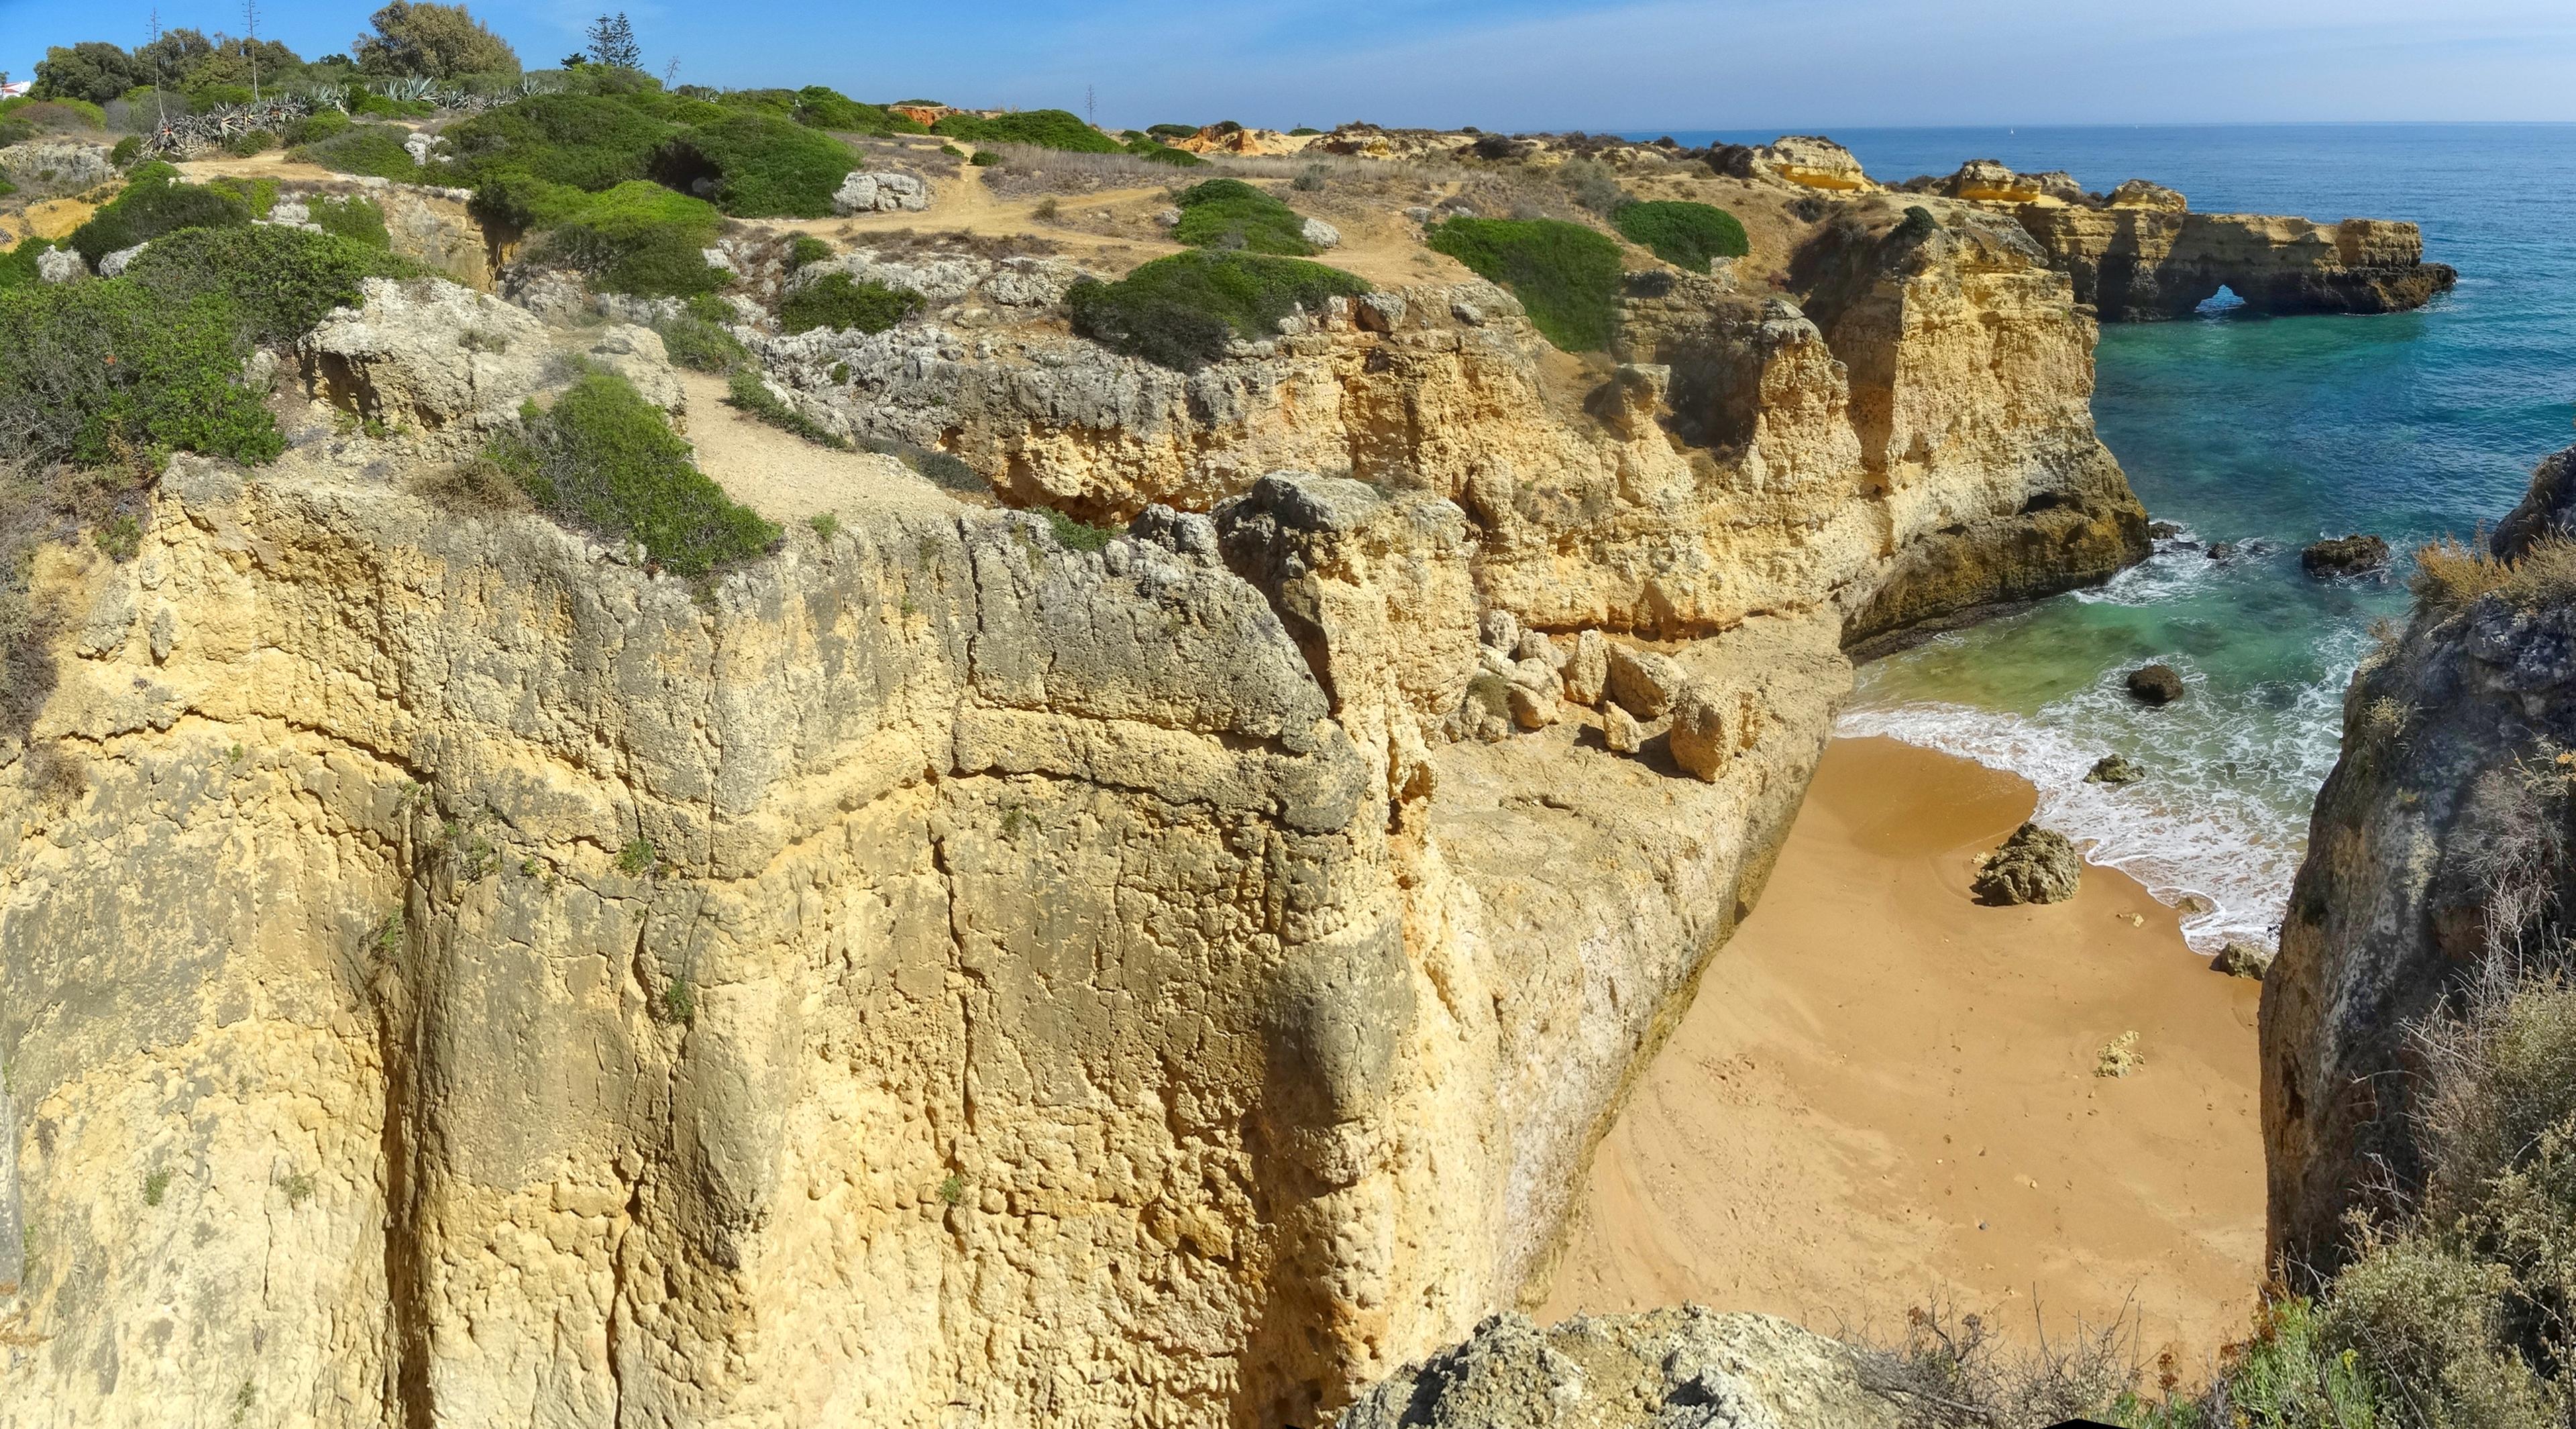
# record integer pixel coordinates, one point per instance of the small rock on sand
(2035, 865)
(2243, 959)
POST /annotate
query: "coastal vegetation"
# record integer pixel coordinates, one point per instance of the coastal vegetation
(1686, 235)
(1040, 128)
(836, 300)
(1231, 214)
(1566, 275)
(1183, 311)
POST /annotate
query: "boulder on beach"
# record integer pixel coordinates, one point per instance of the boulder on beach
(2243, 959)
(2115, 769)
(2035, 865)
(2345, 556)
(2156, 684)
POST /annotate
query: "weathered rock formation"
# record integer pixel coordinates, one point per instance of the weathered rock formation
(2035, 865)
(2138, 263)
(1671, 1369)
(2423, 840)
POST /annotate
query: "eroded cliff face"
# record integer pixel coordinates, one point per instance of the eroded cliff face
(2139, 263)
(2418, 838)
(944, 977)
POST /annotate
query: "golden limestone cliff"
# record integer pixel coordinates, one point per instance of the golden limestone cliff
(954, 973)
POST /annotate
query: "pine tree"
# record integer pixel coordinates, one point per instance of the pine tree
(612, 43)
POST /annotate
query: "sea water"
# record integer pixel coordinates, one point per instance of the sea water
(2267, 433)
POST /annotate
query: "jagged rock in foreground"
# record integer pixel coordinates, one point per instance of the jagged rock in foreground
(1682, 1368)
(2450, 739)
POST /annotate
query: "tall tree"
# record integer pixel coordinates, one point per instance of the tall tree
(93, 70)
(612, 43)
(438, 41)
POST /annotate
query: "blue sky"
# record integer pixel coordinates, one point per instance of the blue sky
(1552, 64)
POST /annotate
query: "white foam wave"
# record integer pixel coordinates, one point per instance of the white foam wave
(2224, 813)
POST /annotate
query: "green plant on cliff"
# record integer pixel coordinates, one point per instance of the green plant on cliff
(103, 374)
(153, 204)
(1043, 128)
(838, 301)
(1231, 214)
(748, 393)
(278, 282)
(605, 460)
(1182, 311)
(635, 238)
(374, 150)
(1686, 235)
(1565, 275)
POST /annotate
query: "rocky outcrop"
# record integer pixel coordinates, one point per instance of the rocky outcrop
(2140, 261)
(939, 971)
(2428, 844)
(1665, 1369)
(2156, 685)
(1993, 181)
(881, 193)
(1808, 161)
(2345, 556)
(2035, 865)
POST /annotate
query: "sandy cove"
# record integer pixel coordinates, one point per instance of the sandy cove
(1891, 1094)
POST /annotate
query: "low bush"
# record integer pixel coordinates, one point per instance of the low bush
(111, 373)
(1043, 128)
(701, 346)
(1182, 311)
(838, 301)
(583, 141)
(1231, 214)
(356, 219)
(636, 238)
(127, 150)
(372, 149)
(747, 393)
(249, 142)
(2450, 576)
(819, 107)
(276, 282)
(1566, 275)
(607, 461)
(259, 194)
(1164, 154)
(317, 126)
(761, 165)
(1686, 235)
(805, 249)
(985, 159)
(151, 206)
(18, 265)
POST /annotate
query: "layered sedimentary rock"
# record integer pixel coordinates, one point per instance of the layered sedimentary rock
(2434, 811)
(2139, 263)
(944, 974)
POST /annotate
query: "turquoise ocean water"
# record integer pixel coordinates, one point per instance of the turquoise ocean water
(2268, 433)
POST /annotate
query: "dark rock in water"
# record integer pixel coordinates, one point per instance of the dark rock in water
(2156, 684)
(2222, 550)
(2345, 556)
(2115, 769)
(2243, 959)
(2162, 530)
(2191, 904)
(2035, 865)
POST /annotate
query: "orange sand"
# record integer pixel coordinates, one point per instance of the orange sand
(1886, 1091)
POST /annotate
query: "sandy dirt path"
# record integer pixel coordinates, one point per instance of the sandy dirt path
(1886, 1091)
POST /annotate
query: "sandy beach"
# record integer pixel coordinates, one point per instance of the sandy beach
(1886, 1091)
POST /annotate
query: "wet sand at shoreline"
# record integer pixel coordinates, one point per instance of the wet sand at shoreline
(1886, 1091)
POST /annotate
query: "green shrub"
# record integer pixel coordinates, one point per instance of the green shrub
(249, 142)
(1686, 235)
(2431, 1319)
(585, 141)
(259, 194)
(1302, 131)
(820, 107)
(357, 219)
(1181, 311)
(1566, 275)
(1919, 223)
(1043, 128)
(637, 238)
(806, 249)
(838, 301)
(127, 150)
(746, 392)
(2285, 1377)
(1164, 154)
(6, 188)
(276, 282)
(152, 206)
(606, 460)
(985, 159)
(763, 166)
(317, 126)
(372, 149)
(100, 373)
(1231, 214)
(701, 346)
(1076, 535)
(18, 265)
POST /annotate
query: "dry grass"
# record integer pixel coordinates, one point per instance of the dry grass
(1951, 1371)
(912, 243)
(1027, 171)
(476, 484)
(2450, 575)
